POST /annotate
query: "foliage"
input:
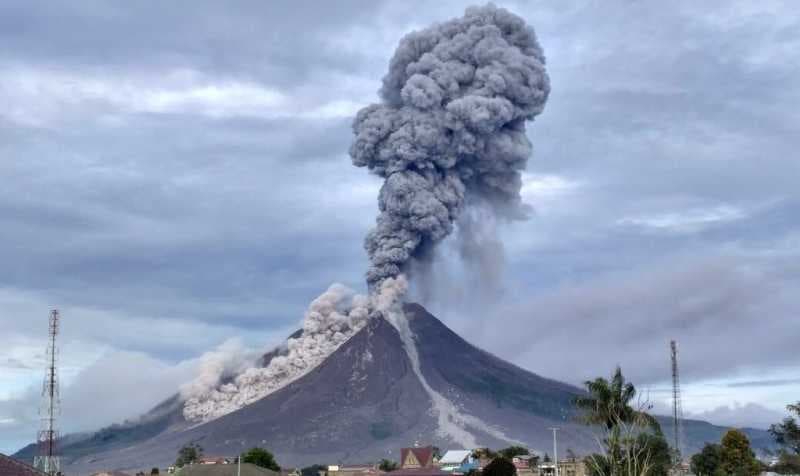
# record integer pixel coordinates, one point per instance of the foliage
(512, 451)
(706, 462)
(632, 442)
(609, 403)
(154, 471)
(484, 453)
(387, 465)
(736, 456)
(261, 457)
(189, 454)
(547, 458)
(787, 464)
(787, 433)
(313, 470)
(500, 467)
(646, 454)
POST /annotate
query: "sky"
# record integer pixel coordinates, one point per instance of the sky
(176, 178)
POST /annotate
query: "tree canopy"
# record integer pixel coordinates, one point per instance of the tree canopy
(736, 456)
(608, 403)
(500, 467)
(262, 458)
(706, 462)
(512, 451)
(387, 465)
(787, 433)
(189, 454)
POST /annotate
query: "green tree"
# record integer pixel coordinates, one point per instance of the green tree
(387, 465)
(484, 453)
(787, 433)
(313, 470)
(512, 451)
(262, 458)
(154, 471)
(189, 454)
(736, 456)
(609, 403)
(632, 439)
(500, 467)
(706, 462)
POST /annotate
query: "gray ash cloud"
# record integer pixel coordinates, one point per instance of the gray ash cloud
(449, 131)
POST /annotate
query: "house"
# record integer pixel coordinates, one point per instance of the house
(248, 469)
(110, 473)
(571, 467)
(418, 462)
(416, 458)
(458, 461)
(215, 460)
(362, 470)
(12, 467)
(526, 464)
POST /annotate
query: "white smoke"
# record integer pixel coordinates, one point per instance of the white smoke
(331, 319)
(226, 361)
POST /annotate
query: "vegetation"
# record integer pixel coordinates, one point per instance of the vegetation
(512, 451)
(154, 471)
(387, 465)
(632, 442)
(706, 462)
(732, 457)
(313, 470)
(189, 454)
(262, 458)
(484, 453)
(787, 434)
(500, 467)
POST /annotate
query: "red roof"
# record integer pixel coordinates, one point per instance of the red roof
(13, 467)
(423, 456)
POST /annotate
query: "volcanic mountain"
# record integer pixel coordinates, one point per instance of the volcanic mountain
(363, 403)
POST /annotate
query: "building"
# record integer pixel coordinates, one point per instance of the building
(362, 470)
(571, 467)
(110, 473)
(526, 464)
(215, 460)
(12, 467)
(248, 469)
(416, 458)
(418, 462)
(458, 462)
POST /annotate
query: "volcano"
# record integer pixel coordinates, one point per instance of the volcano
(363, 403)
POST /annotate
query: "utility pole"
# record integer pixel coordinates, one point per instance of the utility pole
(555, 448)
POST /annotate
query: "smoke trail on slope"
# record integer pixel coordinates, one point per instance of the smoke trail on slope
(451, 126)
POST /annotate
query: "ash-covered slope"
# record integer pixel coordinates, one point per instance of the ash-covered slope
(362, 403)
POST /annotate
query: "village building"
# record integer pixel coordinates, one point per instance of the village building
(418, 462)
(526, 464)
(362, 470)
(12, 467)
(458, 462)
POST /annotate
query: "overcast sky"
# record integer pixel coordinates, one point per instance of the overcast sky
(175, 174)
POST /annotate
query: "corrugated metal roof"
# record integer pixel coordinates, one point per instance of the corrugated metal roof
(455, 456)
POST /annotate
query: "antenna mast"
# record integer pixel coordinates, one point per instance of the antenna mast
(48, 461)
(677, 409)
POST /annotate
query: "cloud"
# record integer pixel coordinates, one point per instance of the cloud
(737, 415)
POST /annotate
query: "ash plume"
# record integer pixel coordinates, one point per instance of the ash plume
(449, 131)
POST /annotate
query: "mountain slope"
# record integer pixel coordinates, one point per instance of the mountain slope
(363, 403)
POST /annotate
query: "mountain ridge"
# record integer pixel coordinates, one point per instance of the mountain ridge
(363, 403)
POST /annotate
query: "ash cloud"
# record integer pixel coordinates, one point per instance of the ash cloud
(449, 132)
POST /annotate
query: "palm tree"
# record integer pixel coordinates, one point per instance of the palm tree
(609, 404)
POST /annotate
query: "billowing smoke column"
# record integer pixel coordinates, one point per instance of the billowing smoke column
(450, 131)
